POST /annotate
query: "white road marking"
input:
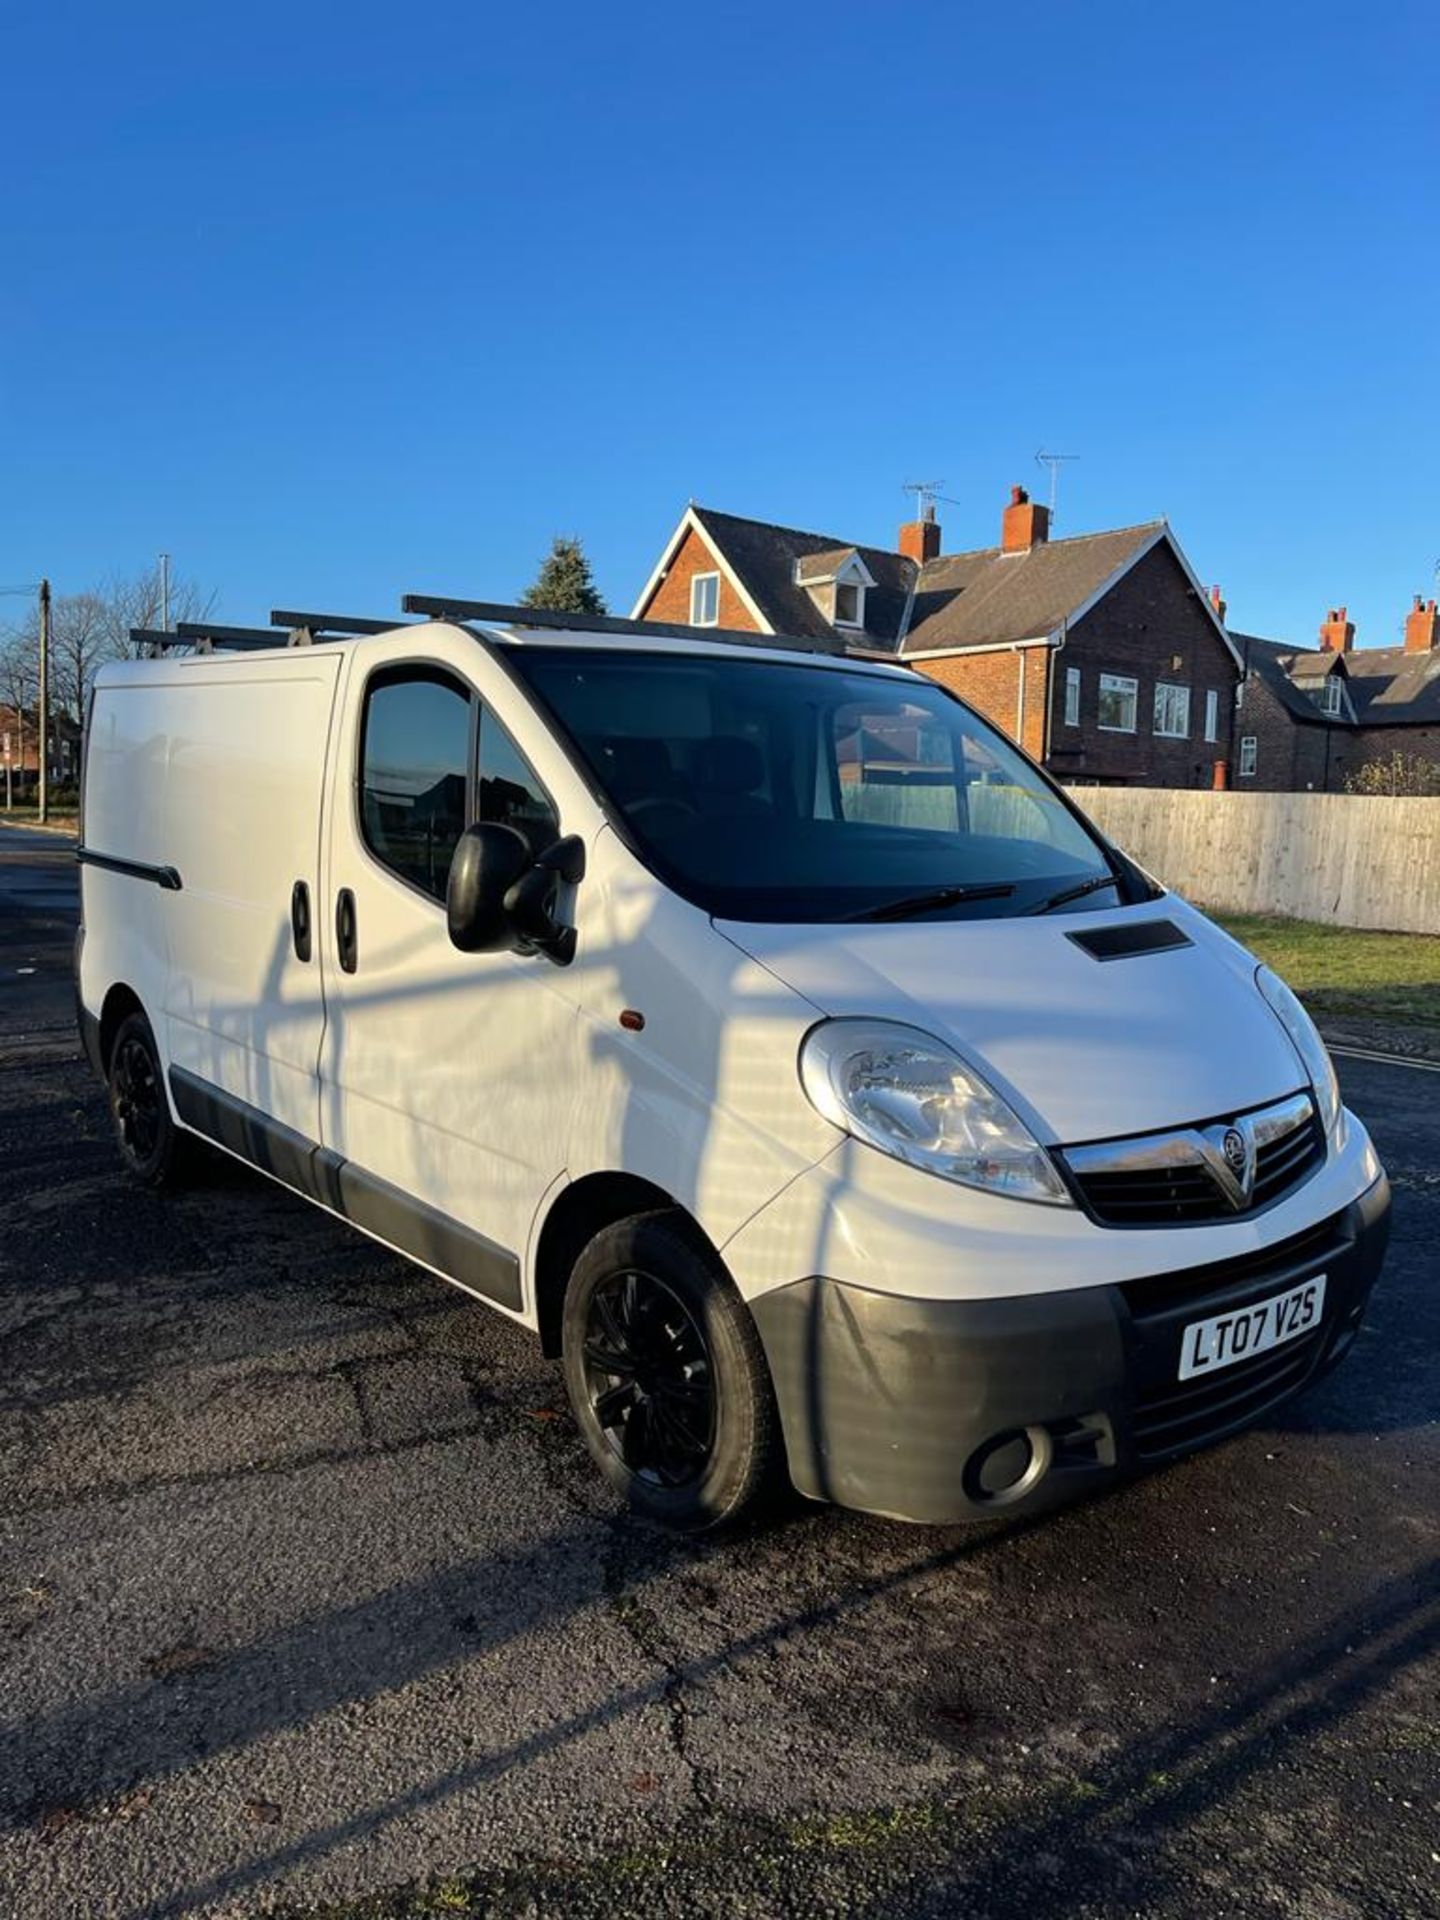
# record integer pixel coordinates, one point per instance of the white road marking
(1386, 1059)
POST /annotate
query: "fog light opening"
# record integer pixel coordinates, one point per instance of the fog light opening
(1008, 1465)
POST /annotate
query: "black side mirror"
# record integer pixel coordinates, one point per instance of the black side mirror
(487, 862)
(498, 898)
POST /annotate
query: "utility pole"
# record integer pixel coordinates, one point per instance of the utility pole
(164, 593)
(44, 810)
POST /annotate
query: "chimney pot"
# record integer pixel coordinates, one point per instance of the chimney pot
(1337, 633)
(920, 539)
(1024, 524)
(1422, 627)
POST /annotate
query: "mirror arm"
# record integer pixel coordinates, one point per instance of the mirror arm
(565, 859)
(527, 902)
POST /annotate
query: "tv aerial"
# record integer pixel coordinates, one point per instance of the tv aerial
(1054, 461)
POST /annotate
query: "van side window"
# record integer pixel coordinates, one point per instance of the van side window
(415, 757)
(510, 793)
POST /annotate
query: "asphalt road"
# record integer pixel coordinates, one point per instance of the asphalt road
(308, 1593)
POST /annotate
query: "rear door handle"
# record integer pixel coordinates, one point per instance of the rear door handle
(300, 919)
(345, 940)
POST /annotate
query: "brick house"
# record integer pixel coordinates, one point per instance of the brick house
(20, 748)
(1310, 717)
(1101, 653)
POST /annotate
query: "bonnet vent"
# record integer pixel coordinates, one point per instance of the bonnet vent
(1124, 941)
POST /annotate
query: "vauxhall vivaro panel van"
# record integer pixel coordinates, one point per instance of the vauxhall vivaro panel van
(759, 1027)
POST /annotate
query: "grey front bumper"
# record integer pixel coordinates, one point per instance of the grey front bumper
(946, 1410)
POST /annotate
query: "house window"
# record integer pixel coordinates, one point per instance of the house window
(1332, 697)
(705, 600)
(1249, 755)
(849, 604)
(1119, 700)
(1072, 696)
(1212, 714)
(1172, 711)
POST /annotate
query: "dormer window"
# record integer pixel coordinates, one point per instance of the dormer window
(1332, 697)
(836, 580)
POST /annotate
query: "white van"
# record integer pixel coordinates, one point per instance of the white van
(757, 1026)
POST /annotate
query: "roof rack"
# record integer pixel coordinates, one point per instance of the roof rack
(202, 637)
(495, 613)
(299, 630)
(330, 626)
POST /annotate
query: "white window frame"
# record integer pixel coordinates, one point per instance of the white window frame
(1122, 683)
(1212, 715)
(1332, 698)
(698, 580)
(857, 588)
(1072, 696)
(1249, 756)
(1164, 689)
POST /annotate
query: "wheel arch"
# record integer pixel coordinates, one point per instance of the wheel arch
(581, 1210)
(119, 1003)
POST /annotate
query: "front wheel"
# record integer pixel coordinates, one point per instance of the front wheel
(667, 1376)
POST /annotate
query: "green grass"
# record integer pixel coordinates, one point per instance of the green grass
(25, 816)
(1342, 973)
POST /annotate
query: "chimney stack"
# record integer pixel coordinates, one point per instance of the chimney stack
(1025, 525)
(1217, 602)
(920, 539)
(1422, 627)
(1337, 634)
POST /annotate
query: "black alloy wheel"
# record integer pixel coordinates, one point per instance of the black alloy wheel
(135, 1099)
(667, 1375)
(151, 1145)
(648, 1374)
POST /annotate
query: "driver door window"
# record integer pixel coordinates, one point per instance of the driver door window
(414, 767)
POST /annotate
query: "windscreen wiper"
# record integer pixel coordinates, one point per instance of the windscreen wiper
(921, 902)
(1077, 892)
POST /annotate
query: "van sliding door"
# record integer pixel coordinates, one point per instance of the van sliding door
(244, 1009)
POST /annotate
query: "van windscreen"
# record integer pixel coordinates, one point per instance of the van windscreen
(765, 790)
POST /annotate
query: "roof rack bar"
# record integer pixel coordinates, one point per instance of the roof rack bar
(495, 613)
(329, 623)
(203, 639)
(223, 636)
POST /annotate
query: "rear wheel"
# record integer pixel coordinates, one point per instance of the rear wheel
(150, 1143)
(667, 1376)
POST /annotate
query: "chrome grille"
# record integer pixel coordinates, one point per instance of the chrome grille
(1198, 1174)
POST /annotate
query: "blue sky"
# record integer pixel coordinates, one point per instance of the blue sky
(332, 302)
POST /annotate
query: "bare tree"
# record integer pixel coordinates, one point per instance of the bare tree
(19, 686)
(1397, 773)
(139, 602)
(88, 629)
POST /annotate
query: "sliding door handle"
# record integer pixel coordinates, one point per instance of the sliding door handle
(345, 939)
(300, 919)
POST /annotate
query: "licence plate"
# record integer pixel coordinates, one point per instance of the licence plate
(1219, 1342)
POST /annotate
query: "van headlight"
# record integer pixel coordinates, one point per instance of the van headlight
(1319, 1067)
(908, 1094)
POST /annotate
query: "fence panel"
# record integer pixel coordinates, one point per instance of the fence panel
(1353, 860)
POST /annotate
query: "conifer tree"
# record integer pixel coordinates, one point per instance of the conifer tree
(565, 581)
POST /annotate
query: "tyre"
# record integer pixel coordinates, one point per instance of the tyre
(152, 1147)
(667, 1376)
